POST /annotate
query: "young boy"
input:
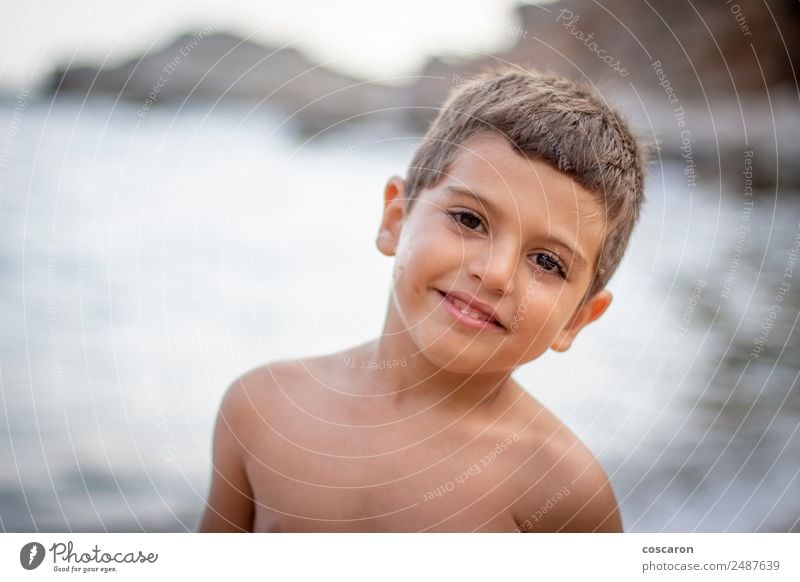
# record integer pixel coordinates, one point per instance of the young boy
(515, 212)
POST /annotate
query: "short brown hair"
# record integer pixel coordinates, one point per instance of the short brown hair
(551, 118)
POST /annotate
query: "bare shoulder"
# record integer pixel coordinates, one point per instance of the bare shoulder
(238, 428)
(562, 486)
(274, 395)
(257, 390)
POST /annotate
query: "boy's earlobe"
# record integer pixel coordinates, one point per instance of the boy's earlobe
(394, 205)
(594, 307)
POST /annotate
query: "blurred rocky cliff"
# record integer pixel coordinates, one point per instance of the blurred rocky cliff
(710, 79)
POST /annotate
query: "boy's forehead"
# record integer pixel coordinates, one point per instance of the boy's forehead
(488, 168)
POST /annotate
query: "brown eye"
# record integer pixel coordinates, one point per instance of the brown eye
(549, 263)
(467, 220)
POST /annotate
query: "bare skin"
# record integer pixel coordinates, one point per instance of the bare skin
(281, 470)
(424, 429)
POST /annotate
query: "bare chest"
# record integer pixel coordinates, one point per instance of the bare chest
(315, 476)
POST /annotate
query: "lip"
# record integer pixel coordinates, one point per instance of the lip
(474, 304)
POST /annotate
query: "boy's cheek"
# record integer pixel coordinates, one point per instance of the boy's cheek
(401, 263)
(534, 336)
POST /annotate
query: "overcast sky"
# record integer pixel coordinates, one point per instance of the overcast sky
(368, 38)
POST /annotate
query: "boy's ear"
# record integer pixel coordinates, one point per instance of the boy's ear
(591, 310)
(394, 209)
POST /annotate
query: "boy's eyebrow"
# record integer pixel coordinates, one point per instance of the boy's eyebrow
(455, 190)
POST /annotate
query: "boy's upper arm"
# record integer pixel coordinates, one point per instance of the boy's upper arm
(594, 507)
(230, 506)
(571, 494)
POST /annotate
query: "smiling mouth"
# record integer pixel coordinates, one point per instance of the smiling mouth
(467, 315)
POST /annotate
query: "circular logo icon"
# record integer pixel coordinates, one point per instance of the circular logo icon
(31, 555)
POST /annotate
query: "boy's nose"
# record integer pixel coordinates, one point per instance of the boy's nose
(495, 266)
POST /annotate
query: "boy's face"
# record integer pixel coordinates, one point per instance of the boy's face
(526, 252)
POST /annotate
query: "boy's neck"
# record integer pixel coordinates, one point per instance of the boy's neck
(393, 366)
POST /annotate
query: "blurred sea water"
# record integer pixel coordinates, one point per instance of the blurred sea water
(146, 261)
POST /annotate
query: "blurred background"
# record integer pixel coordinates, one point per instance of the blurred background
(186, 186)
